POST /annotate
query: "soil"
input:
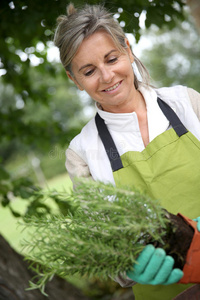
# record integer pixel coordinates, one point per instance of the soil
(177, 240)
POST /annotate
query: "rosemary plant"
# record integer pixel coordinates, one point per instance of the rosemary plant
(102, 234)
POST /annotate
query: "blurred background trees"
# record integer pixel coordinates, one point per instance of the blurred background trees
(173, 57)
(41, 110)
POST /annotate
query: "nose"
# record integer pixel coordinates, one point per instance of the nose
(106, 75)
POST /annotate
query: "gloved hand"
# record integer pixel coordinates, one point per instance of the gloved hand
(154, 267)
(198, 223)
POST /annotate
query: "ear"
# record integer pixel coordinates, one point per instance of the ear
(74, 80)
(129, 50)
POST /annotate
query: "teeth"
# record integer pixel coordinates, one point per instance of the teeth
(113, 87)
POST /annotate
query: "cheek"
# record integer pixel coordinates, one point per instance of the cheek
(129, 69)
(129, 72)
(126, 68)
(83, 83)
(91, 86)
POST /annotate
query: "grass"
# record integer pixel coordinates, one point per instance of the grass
(9, 225)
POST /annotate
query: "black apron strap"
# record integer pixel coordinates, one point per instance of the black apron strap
(172, 117)
(110, 146)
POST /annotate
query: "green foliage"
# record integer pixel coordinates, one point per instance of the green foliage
(14, 187)
(37, 124)
(174, 57)
(101, 235)
(37, 204)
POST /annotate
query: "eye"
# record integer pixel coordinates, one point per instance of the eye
(89, 72)
(112, 60)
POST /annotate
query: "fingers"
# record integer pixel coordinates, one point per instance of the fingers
(154, 267)
(143, 259)
(165, 271)
(174, 277)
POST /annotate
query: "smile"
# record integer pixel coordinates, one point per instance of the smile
(112, 88)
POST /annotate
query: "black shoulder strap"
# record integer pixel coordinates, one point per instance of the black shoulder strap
(172, 117)
(108, 143)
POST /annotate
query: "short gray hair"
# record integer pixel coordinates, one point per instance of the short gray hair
(77, 25)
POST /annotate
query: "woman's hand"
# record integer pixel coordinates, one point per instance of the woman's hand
(154, 267)
(198, 223)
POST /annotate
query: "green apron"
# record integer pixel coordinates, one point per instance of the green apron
(168, 169)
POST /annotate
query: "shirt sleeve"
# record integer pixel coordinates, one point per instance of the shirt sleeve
(76, 166)
(124, 281)
(194, 97)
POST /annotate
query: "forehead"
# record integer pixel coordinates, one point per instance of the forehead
(95, 46)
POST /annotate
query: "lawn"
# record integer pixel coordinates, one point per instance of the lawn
(9, 226)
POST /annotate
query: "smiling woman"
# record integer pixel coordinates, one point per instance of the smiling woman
(141, 137)
(106, 75)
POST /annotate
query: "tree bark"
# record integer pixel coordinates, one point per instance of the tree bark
(195, 11)
(15, 275)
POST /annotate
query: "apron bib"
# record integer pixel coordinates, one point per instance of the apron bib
(168, 169)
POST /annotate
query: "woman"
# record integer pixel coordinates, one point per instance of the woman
(140, 148)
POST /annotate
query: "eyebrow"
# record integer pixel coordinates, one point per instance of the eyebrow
(105, 56)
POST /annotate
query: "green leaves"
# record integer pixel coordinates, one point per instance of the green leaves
(11, 189)
(101, 235)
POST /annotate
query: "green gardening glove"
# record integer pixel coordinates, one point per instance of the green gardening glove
(198, 223)
(154, 267)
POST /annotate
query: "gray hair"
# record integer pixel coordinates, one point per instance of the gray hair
(77, 25)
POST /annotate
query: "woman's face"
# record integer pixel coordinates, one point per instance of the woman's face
(104, 72)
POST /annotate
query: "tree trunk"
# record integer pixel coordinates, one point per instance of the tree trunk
(195, 11)
(15, 275)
